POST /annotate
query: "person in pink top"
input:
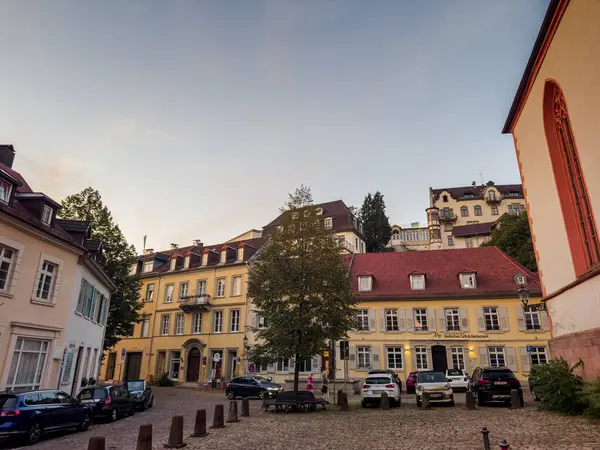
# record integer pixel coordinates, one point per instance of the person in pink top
(310, 383)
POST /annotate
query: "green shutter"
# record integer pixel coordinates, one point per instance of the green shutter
(81, 297)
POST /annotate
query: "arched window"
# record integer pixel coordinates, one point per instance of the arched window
(477, 209)
(464, 211)
(569, 177)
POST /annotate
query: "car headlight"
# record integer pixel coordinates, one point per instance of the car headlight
(421, 388)
(446, 387)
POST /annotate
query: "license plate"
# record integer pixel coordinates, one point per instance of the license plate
(435, 395)
(500, 397)
(88, 401)
(501, 382)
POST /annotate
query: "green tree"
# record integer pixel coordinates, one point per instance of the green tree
(116, 262)
(513, 237)
(376, 224)
(299, 283)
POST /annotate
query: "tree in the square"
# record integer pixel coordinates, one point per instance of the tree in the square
(376, 225)
(300, 286)
(116, 261)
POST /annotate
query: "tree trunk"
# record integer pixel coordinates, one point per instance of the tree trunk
(296, 373)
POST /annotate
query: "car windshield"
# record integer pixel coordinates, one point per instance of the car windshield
(8, 401)
(378, 380)
(495, 374)
(135, 386)
(431, 377)
(454, 372)
(89, 394)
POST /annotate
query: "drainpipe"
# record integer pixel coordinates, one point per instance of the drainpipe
(152, 329)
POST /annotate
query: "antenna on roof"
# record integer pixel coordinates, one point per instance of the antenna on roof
(481, 176)
(144, 247)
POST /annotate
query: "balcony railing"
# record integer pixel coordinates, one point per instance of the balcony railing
(493, 200)
(195, 302)
(345, 245)
(447, 216)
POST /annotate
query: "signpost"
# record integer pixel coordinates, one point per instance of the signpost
(345, 355)
(530, 349)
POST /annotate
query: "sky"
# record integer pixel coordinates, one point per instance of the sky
(195, 119)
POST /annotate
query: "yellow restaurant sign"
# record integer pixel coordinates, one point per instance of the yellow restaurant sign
(460, 336)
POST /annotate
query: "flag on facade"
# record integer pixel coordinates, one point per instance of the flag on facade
(414, 224)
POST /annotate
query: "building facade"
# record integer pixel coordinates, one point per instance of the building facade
(553, 120)
(409, 239)
(47, 340)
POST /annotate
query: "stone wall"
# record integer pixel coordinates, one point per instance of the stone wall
(584, 345)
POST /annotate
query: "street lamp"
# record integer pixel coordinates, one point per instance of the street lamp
(245, 354)
(523, 293)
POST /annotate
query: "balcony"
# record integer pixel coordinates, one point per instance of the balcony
(447, 216)
(346, 246)
(493, 199)
(195, 302)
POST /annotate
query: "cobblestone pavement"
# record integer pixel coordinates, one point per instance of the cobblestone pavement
(404, 428)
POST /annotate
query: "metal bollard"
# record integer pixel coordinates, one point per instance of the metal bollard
(144, 441)
(343, 401)
(219, 417)
(515, 399)
(175, 433)
(425, 401)
(245, 407)
(470, 400)
(97, 443)
(504, 445)
(486, 438)
(384, 403)
(200, 424)
(233, 412)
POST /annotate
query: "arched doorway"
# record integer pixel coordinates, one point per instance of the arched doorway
(192, 373)
(439, 358)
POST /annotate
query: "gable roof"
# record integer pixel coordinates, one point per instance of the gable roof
(330, 209)
(459, 193)
(391, 270)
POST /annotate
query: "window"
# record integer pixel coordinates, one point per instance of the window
(538, 355)
(532, 320)
(234, 325)
(477, 210)
(362, 316)
(46, 215)
(394, 357)
(68, 367)
(236, 285)
(447, 227)
(458, 358)
(445, 198)
(6, 262)
(201, 287)
(150, 292)
(179, 323)
(283, 365)
(421, 358)
(450, 241)
(240, 254)
(452, 319)
(197, 323)
(391, 320)
(100, 309)
(223, 257)
(491, 318)
(417, 282)
(186, 262)
(205, 259)
(363, 357)
(262, 321)
(494, 210)
(328, 222)
(464, 211)
(218, 322)
(515, 209)
(174, 365)
(169, 293)
(364, 283)
(220, 287)
(183, 290)
(165, 324)
(148, 266)
(496, 355)
(468, 280)
(5, 189)
(306, 365)
(46, 281)
(173, 264)
(27, 366)
(492, 195)
(420, 319)
(468, 243)
(145, 326)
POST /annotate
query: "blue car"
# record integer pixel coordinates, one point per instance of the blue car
(29, 415)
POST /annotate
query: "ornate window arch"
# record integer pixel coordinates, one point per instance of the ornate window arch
(574, 199)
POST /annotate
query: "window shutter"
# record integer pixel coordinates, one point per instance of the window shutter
(484, 359)
(467, 360)
(372, 320)
(413, 359)
(503, 318)
(81, 295)
(521, 318)
(449, 357)
(511, 359)
(544, 320)
(270, 368)
(410, 321)
(352, 357)
(525, 361)
(382, 326)
(402, 320)
(441, 319)
(429, 362)
(431, 319)
(254, 319)
(316, 365)
(464, 319)
(480, 321)
(375, 357)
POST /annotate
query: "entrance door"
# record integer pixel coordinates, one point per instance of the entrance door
(75, 386)
(110, 366)
(193, 365)
(439, 359)
(133, 366)
(232, 358)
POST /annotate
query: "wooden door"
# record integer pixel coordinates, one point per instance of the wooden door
(192, 372)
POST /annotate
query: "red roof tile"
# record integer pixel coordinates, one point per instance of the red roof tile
(477, 191)
(495, 271)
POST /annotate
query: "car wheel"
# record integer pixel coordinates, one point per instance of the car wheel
(363, 403)
(151, 402)
(85, 422)
(261, 395)
(230, 395)
(452, 401)
(114, 415)
(34, 434)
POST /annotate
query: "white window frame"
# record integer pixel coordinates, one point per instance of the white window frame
(450, 241)
(328, 222)
(537, 352)
(234, 320)
(478, 208)
(42, 275)
(363, 352)
(41, 363)
(173, 264)
(201, 287)
(468, 280)
(452, 316)
(218, 321)
(148, 266)
(184, 288)
(145, 326)
(392, 322)
(421, 361)
(9, 264)
(458, 358)
(491, 312)
(362, 320)
(236, 279)
(532, 319)
(494, 209)
(47, 213)
(417, 282)
(497, 353)
(169, 288)
(6, 188)
(205, 259)
(365, 283)
(179, 324)
(394, 352)
(197, 323)
(282, 365)
(220, 287)
(186, 262)
(240, 254)
(165, 324)
(261, 322)
(223, 257)
(419, 314)
(149, 292)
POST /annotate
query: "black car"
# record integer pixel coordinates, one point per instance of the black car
(494, 384)
(141, 393)
(251, 387)
(394, 375)
(110, 402)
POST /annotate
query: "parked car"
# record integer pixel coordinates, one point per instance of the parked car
(29, 415)
(436, 385)
(458, 379)
(141, 393)
(375, 385)
(394, 375)
(411, 383)
(109, 402)
(252, 387)
(494, 384)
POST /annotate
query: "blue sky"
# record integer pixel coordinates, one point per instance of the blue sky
(194, 119)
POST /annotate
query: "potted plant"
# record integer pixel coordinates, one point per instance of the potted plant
(84, 382)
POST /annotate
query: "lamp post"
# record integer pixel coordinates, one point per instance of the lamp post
(245, 354)
(523, 294)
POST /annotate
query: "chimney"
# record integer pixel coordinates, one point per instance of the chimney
(148, 251)
(198, 243)
(7, 155)
(173, 246)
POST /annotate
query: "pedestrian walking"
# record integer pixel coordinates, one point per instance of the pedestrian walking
(325, 387)
(310, 383)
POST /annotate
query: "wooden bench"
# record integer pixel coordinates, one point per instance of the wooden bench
(290, 400)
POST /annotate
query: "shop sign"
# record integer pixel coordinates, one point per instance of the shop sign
(460, 336)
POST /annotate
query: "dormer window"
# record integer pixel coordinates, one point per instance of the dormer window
(223, 257)
(417, 282)
(46, 214)
(319, 211)
(186, 262)
(445, 198)
(148, 266)
(468, 280)
(5, 189)
(365, 283)
(205, 259)
(173, 263)
(328, 222)
(520, 279)
(240, 254)
(133, 269)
